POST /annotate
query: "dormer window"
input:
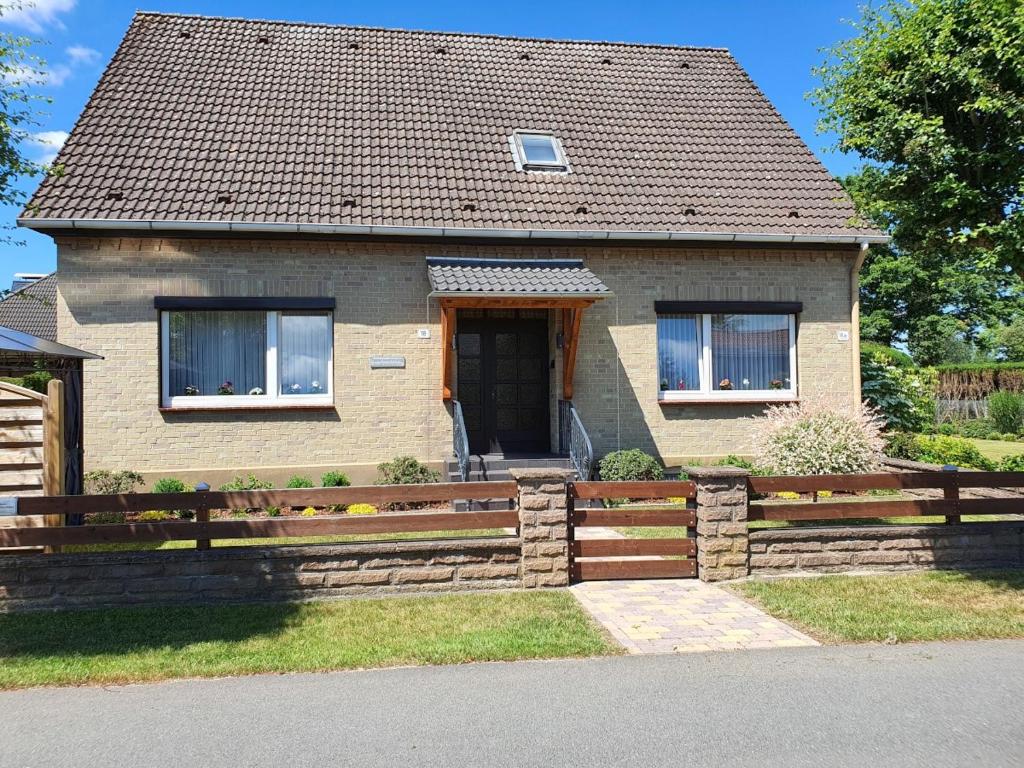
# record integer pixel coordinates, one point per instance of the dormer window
(535, 151)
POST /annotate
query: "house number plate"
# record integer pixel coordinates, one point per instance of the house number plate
(8, 507)
(384, 361)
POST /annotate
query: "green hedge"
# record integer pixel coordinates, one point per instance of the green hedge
(976, 381)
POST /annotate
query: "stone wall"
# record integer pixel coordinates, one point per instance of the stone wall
(251, 574)
(107, 286)
(781, 551)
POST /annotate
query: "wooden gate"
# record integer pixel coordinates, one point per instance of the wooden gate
(31, 448)
(665, 505)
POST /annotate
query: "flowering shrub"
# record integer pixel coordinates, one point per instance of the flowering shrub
(362, 509)
(153, 516)
(227, 388)
(308, 512)
(818, 436)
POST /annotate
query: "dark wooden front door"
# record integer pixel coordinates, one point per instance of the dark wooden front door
(503, 384)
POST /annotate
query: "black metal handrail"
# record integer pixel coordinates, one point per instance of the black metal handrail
(460, 440)
(574, 441)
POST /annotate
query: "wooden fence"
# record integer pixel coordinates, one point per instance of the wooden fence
(600, 559)
(203, 530)
(951, 506)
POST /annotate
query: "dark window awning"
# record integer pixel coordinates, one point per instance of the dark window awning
(25, 343)
(514, 278)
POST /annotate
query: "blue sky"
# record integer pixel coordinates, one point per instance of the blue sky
(777, 41)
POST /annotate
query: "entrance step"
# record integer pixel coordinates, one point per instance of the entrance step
(496, 467)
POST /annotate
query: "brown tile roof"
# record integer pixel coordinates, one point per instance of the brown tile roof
(209, 119)
(533, 277)
(32, 309)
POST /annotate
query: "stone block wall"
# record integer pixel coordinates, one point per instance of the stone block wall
(781, 551)
(254, 574)
(543, 525)
(721, 522)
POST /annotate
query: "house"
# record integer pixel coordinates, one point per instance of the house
(31, 306)
(300, 247)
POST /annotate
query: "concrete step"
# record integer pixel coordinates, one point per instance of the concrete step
(478, 463)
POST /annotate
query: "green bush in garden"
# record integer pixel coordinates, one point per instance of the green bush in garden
(405, 470)
(905, 397)
(37, 380)
(1006, 411)
(174, 485)
(939, 449)
(332, 480)
(103, 481)
(887, 353)
(979, 429)
(1014, 463)
(250, 483)
(633, 464)
(901, 445)
(299, 481)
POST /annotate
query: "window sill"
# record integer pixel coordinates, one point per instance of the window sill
(250, 408)
(711, 400)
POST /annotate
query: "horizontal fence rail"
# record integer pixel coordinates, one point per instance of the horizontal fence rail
(605, 559)
(203, 530)
(951, 506)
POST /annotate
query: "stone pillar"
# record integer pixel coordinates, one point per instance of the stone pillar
(722, 543)
(543, 525)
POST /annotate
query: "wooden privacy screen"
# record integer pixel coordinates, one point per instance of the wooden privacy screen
(31, 448)
(203, 530)
(950, 483)
(601, 559)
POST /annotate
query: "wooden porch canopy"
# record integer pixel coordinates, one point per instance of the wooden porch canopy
(563, 284)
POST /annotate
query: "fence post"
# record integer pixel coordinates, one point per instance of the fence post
(723, 547)
(951, 492)
(543, 525)
(202, 515)
(53, 450)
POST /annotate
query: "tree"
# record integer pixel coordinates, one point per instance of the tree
(931, 94)
(19, 71)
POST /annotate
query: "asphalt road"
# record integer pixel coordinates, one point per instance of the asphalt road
(929, 705)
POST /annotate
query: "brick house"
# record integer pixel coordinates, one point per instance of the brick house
(300, 247)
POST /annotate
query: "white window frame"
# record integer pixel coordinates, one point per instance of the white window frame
(559, 165)
(704, 368)
(273, 398)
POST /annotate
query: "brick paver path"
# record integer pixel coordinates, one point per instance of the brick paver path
(681, 615)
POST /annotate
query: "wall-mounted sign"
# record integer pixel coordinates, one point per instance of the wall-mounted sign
(843, 335)
(387, 361)
(423, 333)
(8, 506)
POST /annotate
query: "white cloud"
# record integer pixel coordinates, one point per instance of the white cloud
(80, 54)
(28, 76)
(38, 15)
(49, 143)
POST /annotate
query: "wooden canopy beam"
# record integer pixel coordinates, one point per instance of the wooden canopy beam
(513, 302)
(571, 320)
(447, 337)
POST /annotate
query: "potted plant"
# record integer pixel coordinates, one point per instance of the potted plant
(191, 390)
(775, 384)
(725, 384)
(227, 388)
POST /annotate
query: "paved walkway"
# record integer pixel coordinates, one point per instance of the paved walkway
(682, 615)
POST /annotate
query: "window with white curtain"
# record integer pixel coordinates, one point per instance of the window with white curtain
(728, 356)
(234, 358)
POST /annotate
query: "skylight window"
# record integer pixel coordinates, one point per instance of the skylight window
(538, 152)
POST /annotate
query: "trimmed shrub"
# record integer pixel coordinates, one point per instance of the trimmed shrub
(1014, 463)
(976, 428)
(153, 516)
(250, 483)
(946, 428)
(633, 464)
(905, 397)
(174, 485)
(299, 481)
(405, 470)
(335, 480)
(37, 380)
(819, 435)
(103, 481)
(901, 445)
(1006, 411)
(889, 354)
(939, 449)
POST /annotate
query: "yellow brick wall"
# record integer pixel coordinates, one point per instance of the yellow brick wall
(107, 287)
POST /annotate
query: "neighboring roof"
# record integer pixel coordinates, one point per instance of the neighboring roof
(215, 123)
(16, 341)
(514, 277)
(32, 309)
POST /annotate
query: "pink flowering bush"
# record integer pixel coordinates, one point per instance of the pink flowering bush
(820, 435)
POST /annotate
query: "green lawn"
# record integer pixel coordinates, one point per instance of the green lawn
(997, 449)
(937, 605)
(136, 644)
